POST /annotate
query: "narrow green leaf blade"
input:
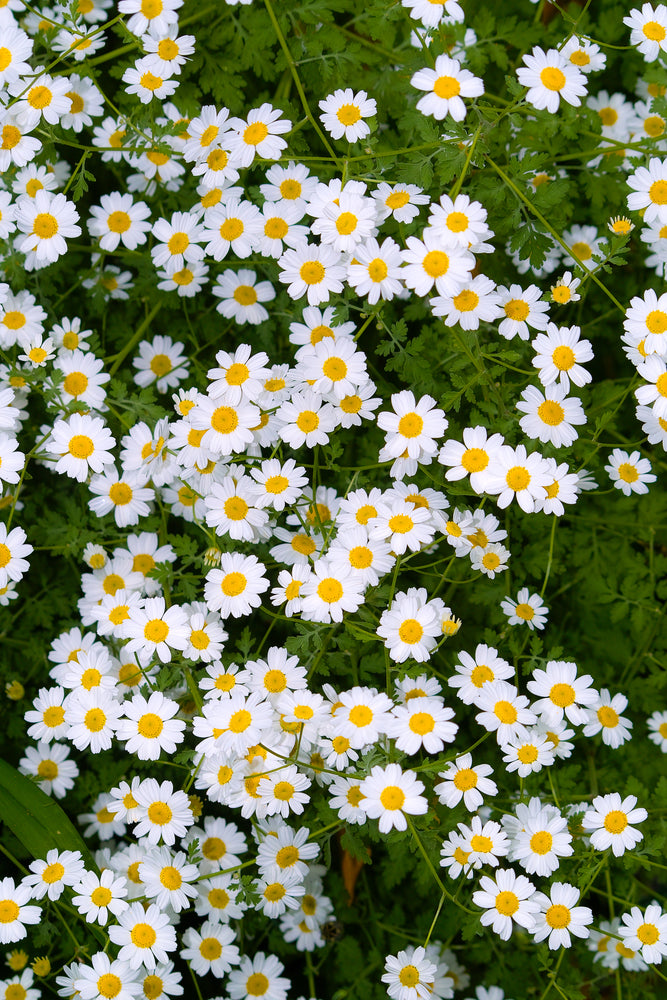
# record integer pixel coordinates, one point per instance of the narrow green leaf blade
(36, 819)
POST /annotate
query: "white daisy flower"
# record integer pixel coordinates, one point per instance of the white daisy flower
(506, 900)
(649, 190)
(646, 932)
(549, 77)
(604, 716)
(409, 975)
(445, 85)
(529, 609)
(503, 710)
(389, 793)
(344, 113)
(523, 308)
(210, 949)
(315, 271)
(551, 416)
(559, 916)
(463, 781)
(611, 819)
(629, 473)
(648, 30)
(145, 936)
(476, 301)
(559, 356)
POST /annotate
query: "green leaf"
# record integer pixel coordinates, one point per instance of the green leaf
(35, 819)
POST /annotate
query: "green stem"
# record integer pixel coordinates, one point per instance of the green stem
(554, 522)
(141, 329)
(196, 983)
(459, 181)
(431, 868)
(552, 976)
(538, 215)
(297, 81)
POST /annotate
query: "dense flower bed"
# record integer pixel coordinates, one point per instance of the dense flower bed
(333, 408)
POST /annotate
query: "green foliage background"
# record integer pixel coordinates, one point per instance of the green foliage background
(604, 564)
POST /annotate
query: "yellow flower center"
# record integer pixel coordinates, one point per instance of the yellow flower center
(312, 272)
(257, 984)
(435, 263)
(516, 309)
(167, 49)
(255, 133)
(53, 873)
(397, 199)
(143, 936)
(654, 126)
(562, 695)
(153, 987)
(615, 821)
(95, 720)
(658, 192)
(47, 770)
(348, 114)
(552, 78)
(101, 896)
(608, 116)
(361, 557)
(231, 229)
(582, 251)
(527, 754)
(628, 473)
(330, 590)
(410, 631)
(170, 877)
(307, 421)
(480, 675)
(346, 223)
(558, 916)
(335, 369)
(224, 420)
(360, 716)
(505, 712)
(654, 31)
(45, 225)
(275, 228)
(447, 87)
(656, 321)
(54, 715)
(159, 813)
(210, 949)
(507, 903)
(481, 844)
(465, 779)
(392, 797)
(149, 81)
(648, 933)
(290, 189)
(517, 478)
(607, 717)
(409, 976)
(150, 725)
(109, 985)
(551, 413)
(411, 425)
(422, 723)
(11, 136)
(156, 630)
(466, 301)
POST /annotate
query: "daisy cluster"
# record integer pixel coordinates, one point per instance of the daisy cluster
(155, 668)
